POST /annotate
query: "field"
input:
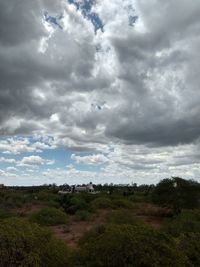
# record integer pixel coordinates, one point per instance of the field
(119, 226)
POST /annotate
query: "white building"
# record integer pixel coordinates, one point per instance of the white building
(88, 188)
(77, 189)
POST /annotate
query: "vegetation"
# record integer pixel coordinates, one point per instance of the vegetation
(177, 194)
(83, 215)
(189, 244)
(26, 244)
(128, 245)
(186, 222)
(102, 203)
(122, 216)
(129, 226)
(49, 216)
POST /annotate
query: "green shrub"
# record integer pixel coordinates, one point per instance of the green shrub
(49, 216)
(6, 214)
(88, 197)
(190, 244)
(122, 203)
(122, 216)
(11, 200)
(186, 222)
(26, 244)
(46, 196)
(72, 203)
(83, 215)
(52, 203)
(102, 203)
(148, 209)
(138, 198)
(128, 246)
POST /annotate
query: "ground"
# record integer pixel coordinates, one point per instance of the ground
(74, 230)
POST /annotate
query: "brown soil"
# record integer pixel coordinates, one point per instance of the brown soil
(154, 221)
(28, 209)
(72, 232)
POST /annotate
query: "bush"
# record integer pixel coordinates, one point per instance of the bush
(11, 200)
(122, 203)
(102, 203)
(138, 198)
(186, 222)
(126, 246)
(83, 215)
(148, 209)
(190, 245)
(4, 214)
(122, 217)
(26, 244)
(46, 196)
(72, 203)
(49, 216)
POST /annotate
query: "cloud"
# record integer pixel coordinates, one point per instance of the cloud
(11, 169)
(15, 145)
(7, 160)
(133, 88)
(90, 160)
(34, 161)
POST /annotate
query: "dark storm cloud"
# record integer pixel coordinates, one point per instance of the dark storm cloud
(159, 76)
(149, 78)
(19, 22)
(26, 75)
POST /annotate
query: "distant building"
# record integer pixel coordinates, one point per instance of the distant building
(77, 189)
(88, 188)
(1, 186)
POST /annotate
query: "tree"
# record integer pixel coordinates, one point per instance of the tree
(177, 193)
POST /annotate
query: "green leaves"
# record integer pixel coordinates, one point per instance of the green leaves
(27, 244)
(49, 216)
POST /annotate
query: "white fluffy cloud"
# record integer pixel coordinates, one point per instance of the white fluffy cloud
(25, 145)
(34, 161)
(94, 159)
(7, 160)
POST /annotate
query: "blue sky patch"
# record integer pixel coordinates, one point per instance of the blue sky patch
(86, 10)
(53, 20)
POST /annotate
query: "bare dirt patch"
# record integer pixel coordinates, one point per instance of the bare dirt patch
(154, 221)
(74, 230)
(30, 208)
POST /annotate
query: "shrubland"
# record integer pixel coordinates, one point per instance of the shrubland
(27, 244)
(125, 237)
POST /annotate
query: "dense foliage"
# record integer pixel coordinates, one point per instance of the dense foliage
(186, 222)
(49, 216)
(121, 214)
(177, 193)
(26, 244)
(128, 245)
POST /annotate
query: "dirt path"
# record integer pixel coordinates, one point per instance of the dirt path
(30, 208)
(154, 221)
(72, 232)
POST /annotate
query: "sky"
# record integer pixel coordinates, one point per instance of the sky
(101, 91)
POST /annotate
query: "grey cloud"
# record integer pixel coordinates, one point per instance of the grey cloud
(159, 77)
(19, 22)
(149, 80)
